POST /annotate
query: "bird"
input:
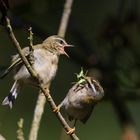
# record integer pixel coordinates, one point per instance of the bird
(81, 99)
(45, 57)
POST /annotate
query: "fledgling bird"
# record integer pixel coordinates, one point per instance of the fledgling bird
(45, 63)
(81, 99)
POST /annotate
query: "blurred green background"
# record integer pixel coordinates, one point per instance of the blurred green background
(106, 36)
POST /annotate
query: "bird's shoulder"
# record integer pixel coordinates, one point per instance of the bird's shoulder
(25, 52)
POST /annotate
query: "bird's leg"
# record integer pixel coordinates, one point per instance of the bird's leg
(72, 130)
(57, 109)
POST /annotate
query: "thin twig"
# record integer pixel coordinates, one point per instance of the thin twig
(65, 18)
(38, 112)
(17, 45)
(36, 77)
(30, 39)
(41, 99)
(63, 135)
(62, 32)
(20, 134)
(31, 49)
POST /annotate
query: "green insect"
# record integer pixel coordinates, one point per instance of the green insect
(81, 77)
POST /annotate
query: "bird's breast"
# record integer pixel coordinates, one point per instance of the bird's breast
(45, 65)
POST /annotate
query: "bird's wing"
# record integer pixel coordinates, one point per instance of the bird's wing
(25, 52)
(84, 120)
(16, 60)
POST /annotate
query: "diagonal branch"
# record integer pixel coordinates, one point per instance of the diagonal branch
(41, 101)
(17, 45)
(45, 91)
(65, 18)
(20, 134)
(38, 112)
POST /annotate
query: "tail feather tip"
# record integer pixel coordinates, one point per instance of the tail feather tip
(6, 101)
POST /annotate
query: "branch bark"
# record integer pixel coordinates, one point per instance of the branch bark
(65, 18)
(38, 112)
(44, 90)
(41, 101)
(20, 134)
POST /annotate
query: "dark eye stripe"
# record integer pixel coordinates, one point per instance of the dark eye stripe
(60, 40)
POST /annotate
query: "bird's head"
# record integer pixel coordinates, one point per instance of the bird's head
(56, 45)
(94, 85)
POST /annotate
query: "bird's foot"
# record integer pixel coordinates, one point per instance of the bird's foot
(71, 131)
(57, 109)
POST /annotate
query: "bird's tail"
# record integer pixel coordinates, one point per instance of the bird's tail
(6, 71)
(9, 100)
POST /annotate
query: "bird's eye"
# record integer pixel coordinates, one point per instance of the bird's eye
(61, 42)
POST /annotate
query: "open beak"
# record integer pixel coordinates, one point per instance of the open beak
(63, 51)
(67, 45)
(66, 54)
